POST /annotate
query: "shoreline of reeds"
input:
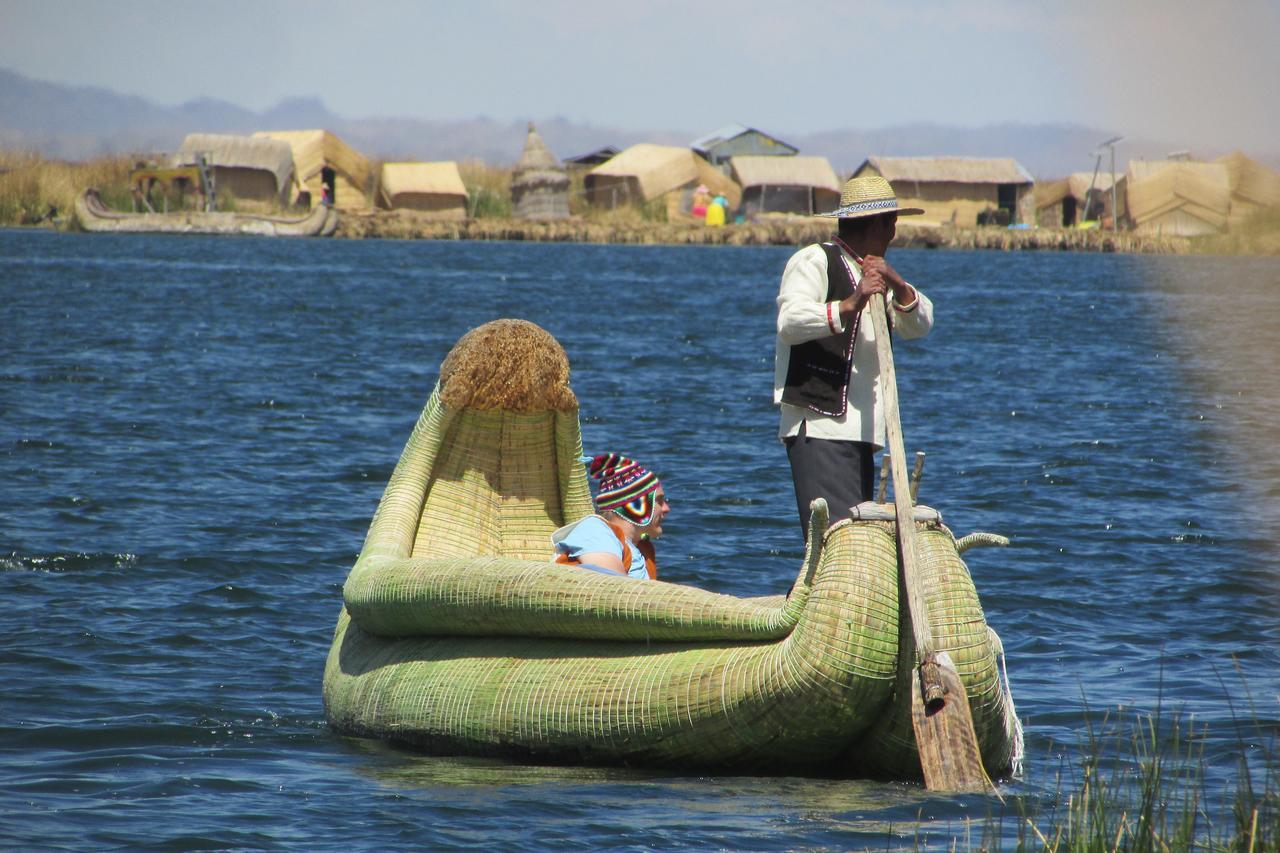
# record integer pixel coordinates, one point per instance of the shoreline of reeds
(405, 225)
(35, 192)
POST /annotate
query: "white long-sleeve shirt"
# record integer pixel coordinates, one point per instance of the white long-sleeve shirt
(805, 315)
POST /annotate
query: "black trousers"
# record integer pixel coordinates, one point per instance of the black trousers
(843, 472)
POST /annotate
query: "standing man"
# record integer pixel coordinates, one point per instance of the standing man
(826, 376)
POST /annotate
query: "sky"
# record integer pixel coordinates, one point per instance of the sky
(1190, 73)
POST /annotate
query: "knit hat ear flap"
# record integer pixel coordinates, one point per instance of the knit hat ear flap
(626, 487)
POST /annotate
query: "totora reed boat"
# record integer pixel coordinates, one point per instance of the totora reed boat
(93, 215)
(459, 636)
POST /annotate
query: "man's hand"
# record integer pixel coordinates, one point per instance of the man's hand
(903, 293)
(877, 277)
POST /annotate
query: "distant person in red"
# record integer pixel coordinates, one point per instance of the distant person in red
(826, 378)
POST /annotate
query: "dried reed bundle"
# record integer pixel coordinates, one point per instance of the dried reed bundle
(533, 374)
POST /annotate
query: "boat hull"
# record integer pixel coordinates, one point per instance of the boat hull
(94, 216)
(459, 636)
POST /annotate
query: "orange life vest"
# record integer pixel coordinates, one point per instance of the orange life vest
(645, 547)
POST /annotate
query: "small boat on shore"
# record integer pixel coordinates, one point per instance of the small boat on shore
(93, 215)
(458, 635)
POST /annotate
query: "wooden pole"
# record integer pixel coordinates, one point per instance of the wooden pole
(940, 714)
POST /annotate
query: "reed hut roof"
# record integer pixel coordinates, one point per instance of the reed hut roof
(753, 170)
(315, 149)
(536, 154)
(952, 170)
(1156, 187)
(439, 178)
(1252, 180)
(537, 165)
(1051, 192)
(1081, 181)
(240, 152)
(1075, 185)
(659, 169)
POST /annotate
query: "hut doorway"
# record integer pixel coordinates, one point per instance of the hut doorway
(1068, 211)
(327, 178)
(1007, 200)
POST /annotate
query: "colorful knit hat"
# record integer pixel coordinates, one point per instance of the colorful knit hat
(626, 487)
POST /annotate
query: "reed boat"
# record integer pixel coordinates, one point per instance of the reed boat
(93, 215)
(458, 635)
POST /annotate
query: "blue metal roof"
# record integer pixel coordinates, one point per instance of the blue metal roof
(704, 144)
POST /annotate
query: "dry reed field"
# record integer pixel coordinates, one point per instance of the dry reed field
(35, 190)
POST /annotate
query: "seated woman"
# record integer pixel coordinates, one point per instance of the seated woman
(619, 540)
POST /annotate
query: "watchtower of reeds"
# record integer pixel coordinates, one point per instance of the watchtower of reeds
(540, 184)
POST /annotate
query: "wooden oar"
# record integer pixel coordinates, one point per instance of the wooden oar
(940, 715)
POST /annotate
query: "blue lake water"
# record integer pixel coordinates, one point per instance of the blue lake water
(194, 433)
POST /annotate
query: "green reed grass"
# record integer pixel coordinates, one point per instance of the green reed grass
(488, 190)
(1140, 786)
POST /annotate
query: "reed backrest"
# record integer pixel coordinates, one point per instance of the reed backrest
(496, 488)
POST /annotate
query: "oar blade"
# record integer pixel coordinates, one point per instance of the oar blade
(946, 739)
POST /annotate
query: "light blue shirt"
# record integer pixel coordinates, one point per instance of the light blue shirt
(593, 535)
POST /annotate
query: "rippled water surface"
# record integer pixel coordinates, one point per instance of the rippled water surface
(194, 434)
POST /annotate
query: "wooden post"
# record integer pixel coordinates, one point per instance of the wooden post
(940, 716)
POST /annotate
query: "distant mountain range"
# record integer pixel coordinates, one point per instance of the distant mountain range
(79, 122)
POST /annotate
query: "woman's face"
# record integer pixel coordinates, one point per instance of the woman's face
(660, 509)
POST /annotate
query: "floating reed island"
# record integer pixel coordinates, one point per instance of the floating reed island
(404, 225)
(459, 635)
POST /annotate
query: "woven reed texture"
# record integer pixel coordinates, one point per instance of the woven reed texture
(491, 504)
(541, 200)
(459, 635)
(793, 702)
(959, 629)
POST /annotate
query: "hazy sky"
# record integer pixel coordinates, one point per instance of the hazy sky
(1190, 73)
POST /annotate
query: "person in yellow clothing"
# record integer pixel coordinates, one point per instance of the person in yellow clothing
(716, 210)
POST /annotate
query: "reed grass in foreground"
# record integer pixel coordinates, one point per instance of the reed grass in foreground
(1142, 787)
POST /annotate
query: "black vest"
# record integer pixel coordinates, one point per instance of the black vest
(818, 371)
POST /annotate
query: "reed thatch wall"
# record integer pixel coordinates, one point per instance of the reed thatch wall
(1255, 188)
(315, 150)
(1066, 202)
(954, 190)
(646, 172)
(433, 189)
(247, 167)
(539, 184)
(800, 184)
(1177, 197)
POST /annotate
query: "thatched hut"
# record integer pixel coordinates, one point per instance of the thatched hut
(802, 185)
(644, 173)
(539, 184)
(244, 167)
(434, 190)
(320, 158)
(958, 190)
(1177, 198)
(736, 140)
(1254, 187)
(1079, 197)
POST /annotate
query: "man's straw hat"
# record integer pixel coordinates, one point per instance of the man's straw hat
(870, 195)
